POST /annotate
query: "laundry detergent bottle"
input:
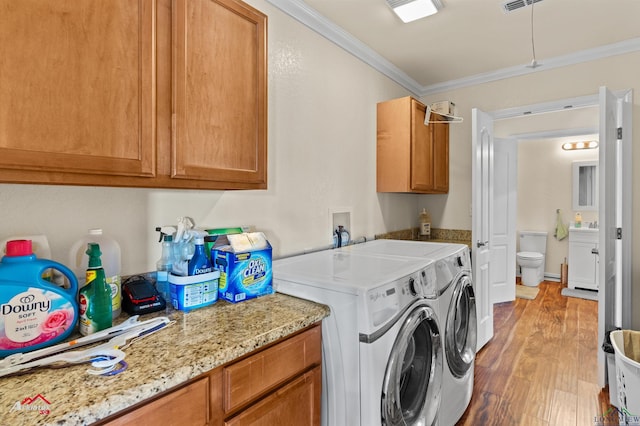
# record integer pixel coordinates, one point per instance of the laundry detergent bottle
(199, 263)
(95, 296)
(34, 312)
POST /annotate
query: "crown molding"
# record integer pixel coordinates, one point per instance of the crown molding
(620, 48)
(308, 16)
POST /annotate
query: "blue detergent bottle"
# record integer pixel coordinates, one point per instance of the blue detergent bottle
(199, 263)
(34, 313)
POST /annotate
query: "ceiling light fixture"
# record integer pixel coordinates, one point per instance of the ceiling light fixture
(570, 146)
(411, 10)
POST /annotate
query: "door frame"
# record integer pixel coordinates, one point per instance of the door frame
(626, 179)
(626, 210)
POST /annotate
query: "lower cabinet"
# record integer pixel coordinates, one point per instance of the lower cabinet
(583, 259)
(278, 385)
(294, 404)
(185, 406)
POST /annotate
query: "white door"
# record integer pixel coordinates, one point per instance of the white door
(503, 225)
(482, 194)
(614, 212)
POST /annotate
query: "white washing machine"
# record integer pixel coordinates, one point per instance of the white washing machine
(457, 313)
(382, 347)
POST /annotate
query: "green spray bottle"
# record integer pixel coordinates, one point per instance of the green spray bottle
(95, 296)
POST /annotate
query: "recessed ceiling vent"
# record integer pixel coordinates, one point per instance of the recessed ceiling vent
(514, 5)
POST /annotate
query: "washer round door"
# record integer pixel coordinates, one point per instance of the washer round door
(413, 377)
(461, 333)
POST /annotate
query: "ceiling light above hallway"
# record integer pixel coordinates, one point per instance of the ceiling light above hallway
(411, 10)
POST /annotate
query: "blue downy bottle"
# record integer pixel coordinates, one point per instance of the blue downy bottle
(199, 263)
(35, 312)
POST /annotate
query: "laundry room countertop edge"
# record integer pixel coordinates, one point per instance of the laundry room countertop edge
(196, 343)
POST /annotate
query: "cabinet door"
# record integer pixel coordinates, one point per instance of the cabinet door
(422, 176)
(185, 406)
(440, 140)
(297, 403)
(220, 95)
(247, 379)
(77, 88)
(582, 265)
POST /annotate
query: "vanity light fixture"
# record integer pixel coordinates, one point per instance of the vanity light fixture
(411, 10)
(570, 146)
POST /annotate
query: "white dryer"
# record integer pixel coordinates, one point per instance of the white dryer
(457, 313)
(382, 347)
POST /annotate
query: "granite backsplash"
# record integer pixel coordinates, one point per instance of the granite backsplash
(459, 236)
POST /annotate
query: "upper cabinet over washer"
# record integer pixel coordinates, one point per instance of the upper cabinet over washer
(146, 93)
(411, 156)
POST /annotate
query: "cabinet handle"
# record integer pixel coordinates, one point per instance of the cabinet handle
(594, 251)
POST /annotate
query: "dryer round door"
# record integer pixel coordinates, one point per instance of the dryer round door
(461, 329)
(413, 377)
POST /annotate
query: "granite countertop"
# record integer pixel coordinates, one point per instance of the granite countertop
(199, 341)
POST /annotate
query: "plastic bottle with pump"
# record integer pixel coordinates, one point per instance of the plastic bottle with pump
(165, 264)
(111, 260)
(200, 262)
(578, 221)
(95, 296)
(425, 224)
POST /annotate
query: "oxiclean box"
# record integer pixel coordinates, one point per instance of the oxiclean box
(244, 262)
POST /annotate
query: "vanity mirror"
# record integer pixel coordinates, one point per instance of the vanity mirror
(585, 185)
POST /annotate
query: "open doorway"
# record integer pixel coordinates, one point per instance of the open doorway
(543, 174)
(615, 212)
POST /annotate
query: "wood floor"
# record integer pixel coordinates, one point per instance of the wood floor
(540, 367)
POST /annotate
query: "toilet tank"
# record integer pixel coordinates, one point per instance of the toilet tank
(534, 241)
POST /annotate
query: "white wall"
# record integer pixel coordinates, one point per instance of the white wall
(545, 185)
(322, 141)
(616, 72)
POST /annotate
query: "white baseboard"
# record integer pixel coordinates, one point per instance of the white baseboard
(552, 277)
(548, 276)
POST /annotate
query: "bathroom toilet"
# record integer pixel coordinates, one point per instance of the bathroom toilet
(530, 258)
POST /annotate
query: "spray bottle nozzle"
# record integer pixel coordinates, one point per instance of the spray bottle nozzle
(165, 230)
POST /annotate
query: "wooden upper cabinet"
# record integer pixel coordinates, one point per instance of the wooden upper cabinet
(411, 156)
(220, 95)
(139, 93)
(77, 88)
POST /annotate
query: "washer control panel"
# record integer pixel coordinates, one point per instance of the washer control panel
(384, 302)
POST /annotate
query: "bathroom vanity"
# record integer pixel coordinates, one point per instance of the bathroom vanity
(583, 258)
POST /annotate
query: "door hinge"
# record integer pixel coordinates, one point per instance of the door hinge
(618, 233)
(620, 133)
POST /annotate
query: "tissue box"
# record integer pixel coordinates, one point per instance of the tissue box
(195, 291)
(244, 262)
